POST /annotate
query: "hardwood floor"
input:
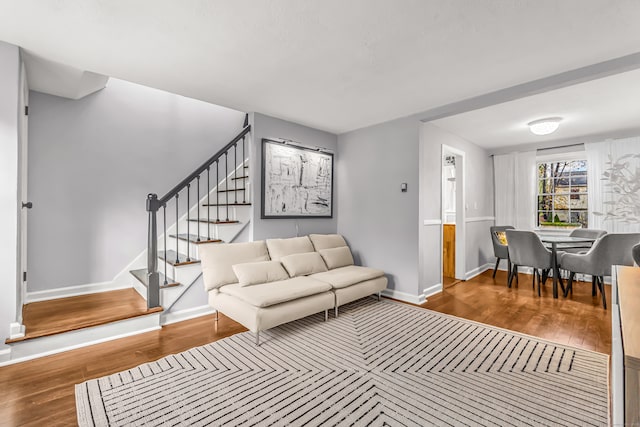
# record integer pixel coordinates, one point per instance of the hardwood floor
(41, 391)
(68, 314)
(579, 320)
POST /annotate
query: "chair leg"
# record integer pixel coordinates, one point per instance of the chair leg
(517, 278)
(539, 280)
(593, 285)
(514, 272)
(569, 284)
(545, 275)
(602, 291)
(495, 269)
(533, 281)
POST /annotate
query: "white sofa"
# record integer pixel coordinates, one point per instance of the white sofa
(264, 284)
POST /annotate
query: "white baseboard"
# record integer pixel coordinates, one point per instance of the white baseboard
(403, 296)
(478, 270)
(5, 355)
(432, 290)
(72, 291)
(16, 330)
(186, 314)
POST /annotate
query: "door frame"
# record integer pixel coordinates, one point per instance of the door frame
(23, 155)
(461, 216)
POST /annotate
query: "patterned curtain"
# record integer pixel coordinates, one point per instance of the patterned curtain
(614, 185)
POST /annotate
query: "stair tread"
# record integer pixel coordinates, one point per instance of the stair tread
(141, 275)
(170, 256)
(193, 238)
(227, 204)
(241, 177)
(57, 316)
(230, 190)
(213, 221)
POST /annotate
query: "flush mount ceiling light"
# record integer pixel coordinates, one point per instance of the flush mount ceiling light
(544, 126)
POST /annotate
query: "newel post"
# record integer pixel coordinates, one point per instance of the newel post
(153, 277)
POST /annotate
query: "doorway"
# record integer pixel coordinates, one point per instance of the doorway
(453, 216)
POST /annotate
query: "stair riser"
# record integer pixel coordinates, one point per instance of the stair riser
(38, 347)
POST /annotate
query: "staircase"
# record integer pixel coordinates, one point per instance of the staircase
(210, 206)
(221, 190)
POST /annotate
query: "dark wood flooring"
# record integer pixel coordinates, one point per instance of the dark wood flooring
(41, 392)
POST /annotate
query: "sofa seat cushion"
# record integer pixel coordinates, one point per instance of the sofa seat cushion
(272, 293)
(346, 276)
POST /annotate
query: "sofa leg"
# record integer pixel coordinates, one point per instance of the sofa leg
(326, 315)
(216, 315)
(257, 338)
(379, 295)
(336, 311)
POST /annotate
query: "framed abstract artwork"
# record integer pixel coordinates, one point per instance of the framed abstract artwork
(297, 182)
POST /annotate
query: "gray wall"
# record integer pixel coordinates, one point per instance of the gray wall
(9, 87)
(385, 226)
(478, 186)
(380, 222)
(92, 163)
(268, 127)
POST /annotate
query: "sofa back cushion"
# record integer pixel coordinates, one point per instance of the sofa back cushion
(327, 241)
(303, 264)
(337, 257)
(218, 259)
(279, 248)
(255, 273)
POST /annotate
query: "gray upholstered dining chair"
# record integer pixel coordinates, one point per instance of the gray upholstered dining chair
(500, 250)
(610, 249)
(527, 250)
(587, 233)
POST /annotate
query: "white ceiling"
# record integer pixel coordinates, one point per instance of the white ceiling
(605, 107)
(332, 64)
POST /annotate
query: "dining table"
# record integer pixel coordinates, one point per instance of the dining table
(557, 242)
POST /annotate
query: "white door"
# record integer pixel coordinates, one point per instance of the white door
(23, 174)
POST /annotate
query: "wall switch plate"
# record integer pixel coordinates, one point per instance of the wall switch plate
(403, 187)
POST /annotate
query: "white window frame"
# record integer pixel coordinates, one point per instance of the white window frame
(560, 157)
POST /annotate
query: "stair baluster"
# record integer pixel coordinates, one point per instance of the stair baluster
(244, 188)
(217, 191)
(164, 225)
(188, 222)
(177, 232)
(208, 204)
(198, 202)
(226, 180)
(235, 172)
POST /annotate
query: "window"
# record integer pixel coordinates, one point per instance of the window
(562, 193)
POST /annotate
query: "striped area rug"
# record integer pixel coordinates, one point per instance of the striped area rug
(379, 363)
